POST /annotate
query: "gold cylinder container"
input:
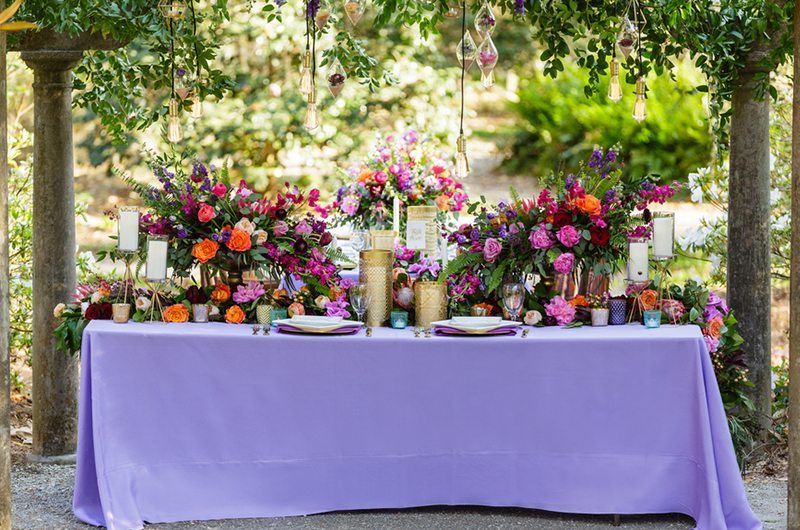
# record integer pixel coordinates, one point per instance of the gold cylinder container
(375, 270)
(431, 302)
(428, 215)
(383, 239)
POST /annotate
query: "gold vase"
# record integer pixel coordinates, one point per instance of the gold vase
(121, 313)
(383, 239)
(431, 302)
(375, 271)
(427, 214)
(264, 314)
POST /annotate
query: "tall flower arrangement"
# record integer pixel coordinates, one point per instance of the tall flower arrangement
(405, 167)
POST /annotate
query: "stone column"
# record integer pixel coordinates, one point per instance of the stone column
(749, 254)
(55, 374)
(5, 372)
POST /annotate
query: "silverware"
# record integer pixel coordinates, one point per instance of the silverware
(256, 329)
(266, 331)
(427, 333)
(416, 332)
(525, 333)
(369, 332)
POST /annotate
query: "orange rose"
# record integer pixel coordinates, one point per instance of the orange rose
(579, 301)
(277, 294)
(234, 315)
(336, 291)
(443, 202)
(588, 204)
(714, 327)
(648, 299)
(296, 309)
(176, 313)
(239, 241)
(220, 294)
(365, 175)
(205, 250)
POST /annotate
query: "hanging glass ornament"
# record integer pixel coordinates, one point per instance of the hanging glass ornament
(336, 78)
(354, 9)
(614, 88)
(312, 115)
(183, 83)
(485, 21)
(172, 9)
(627, 38)
(306, 77)
(640, 106)
(716, 5)
(462, 162)
(197, 107)
(323, 14)
(452, 12)
(174, 131)
(487, 60)
(467, 51)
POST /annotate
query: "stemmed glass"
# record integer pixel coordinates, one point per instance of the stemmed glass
(513, 299)
(359, 240)
(359, 298)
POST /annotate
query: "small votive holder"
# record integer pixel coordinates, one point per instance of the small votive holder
(652, 319)
(264, 314)
(121, 313)
(617, 311)
(278, 313)
(200, 313)
(399, 319)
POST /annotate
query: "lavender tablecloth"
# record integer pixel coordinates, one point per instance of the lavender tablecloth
(206, 421)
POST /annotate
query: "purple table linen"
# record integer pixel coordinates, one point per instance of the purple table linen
(206, 421)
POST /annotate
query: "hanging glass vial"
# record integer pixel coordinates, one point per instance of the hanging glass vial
(306, 77)
(174, 131)
(462, 162)
(311, 120)
(627, 39)
(197, 107)
(487, 60)
(467, 51)
(716, 5)
(354, 10)
(614, 88)
(323, 14)
(452, 12)
(183, 83)
(336, 78)
(485, 21)
(640, 106)
(172, 9)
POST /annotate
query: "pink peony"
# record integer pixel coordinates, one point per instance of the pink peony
(568, 236)
(302, 228)
(540, 238)
(248, 292)
(563, 263)
(492, 249)
(206, 213)
(281, 229)
(711, 343)
(561, 310)
(219, 189)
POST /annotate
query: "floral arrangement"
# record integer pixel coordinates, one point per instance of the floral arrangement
(405, 167)
(410, 266)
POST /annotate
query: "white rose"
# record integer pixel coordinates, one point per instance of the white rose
(96, 297)
(532, 318)
(321, 300)
(84, 307)
(246, 225)
(261, 236)
(213, 311)
(59, 310)
(405, 295)
(142, 303)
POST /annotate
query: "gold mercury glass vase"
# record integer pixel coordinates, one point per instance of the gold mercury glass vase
(431, 302)
(375, 270)
(264, 314)
(428, 215)
(383, 239)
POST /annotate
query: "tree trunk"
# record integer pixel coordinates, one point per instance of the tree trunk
(5, 368)
(749, 287)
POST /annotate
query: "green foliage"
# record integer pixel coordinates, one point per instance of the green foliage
(780, 401)
(559, 126)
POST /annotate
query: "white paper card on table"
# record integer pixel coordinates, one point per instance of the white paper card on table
(415, 235)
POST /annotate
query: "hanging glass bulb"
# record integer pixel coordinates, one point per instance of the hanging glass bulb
(354, 10)
(174, 131)
(312, 115)
(627, 38)
(452, 12)
(306, 77)
(336, 78)
(462, 162)
(716, 5)
(487, 60)
(197, 107)
(183, 83)
(323, 14)
(640, 106)
(614, 88)
(467, 51)
(172, 9)
(485, 21)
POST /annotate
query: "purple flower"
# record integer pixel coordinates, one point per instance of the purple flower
(561, 310)
(519, 7)
(568, 236)
(302, 228)
(337, 309)
(281, 229)
(313, 7)
(711, 343)
(540, 239)
(350, 205)
(248, 292)
(596, 159)
(475, 235)
(564, 263)
(492, 249)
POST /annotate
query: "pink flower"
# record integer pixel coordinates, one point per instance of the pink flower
(248, 292)
(568, 236)
(563, 263)
(380, 177)
(281, 229)
(711, 343)
(350, 205)
(561, 310)
(219, 189)
(540, 238)
(302, 228)
(206, 213)
(492, 249)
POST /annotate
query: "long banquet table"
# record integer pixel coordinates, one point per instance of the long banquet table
(207, 421)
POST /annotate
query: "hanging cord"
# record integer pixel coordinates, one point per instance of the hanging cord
(463, 59)
(196, 48)
(314, 57)
(308, 20)
(172, 55)
(636, 14)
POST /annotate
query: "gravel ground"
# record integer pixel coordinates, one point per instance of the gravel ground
(42, 500)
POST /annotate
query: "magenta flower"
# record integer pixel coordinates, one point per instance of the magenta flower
(568, 236)
(281, 229)
(711, 343)
(302, 228)
(219, 189)
(561, 310)
(248, 292)
(564, 263)
(492, 249)
(350, 205)
(540, 238)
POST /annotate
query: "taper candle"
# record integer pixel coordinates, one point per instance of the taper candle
(157, 258)
(396, 215)
(128, 229)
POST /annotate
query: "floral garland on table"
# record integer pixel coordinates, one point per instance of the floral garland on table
(406, 168)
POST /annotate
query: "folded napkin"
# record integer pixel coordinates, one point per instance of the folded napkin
(344, 330)
(445, 330)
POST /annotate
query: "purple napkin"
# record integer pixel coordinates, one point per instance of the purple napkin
(345, 330)
(445, 330)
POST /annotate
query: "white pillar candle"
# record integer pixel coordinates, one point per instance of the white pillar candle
(663, 235)
(128, 230)
(638, 260)
(396, 215)
(157, 259)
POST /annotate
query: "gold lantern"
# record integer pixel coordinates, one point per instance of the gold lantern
(426, 214)
(375, 270)
(383, 239)
(431, 302)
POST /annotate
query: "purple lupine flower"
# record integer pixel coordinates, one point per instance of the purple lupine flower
(313, 7)
(596, 159)
(519, 7)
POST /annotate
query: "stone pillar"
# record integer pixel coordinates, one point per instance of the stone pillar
(5, 369)
(55, 374)
(749, 254)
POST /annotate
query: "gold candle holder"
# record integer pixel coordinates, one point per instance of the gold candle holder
(375, 270)
(264, 314)
(431, 302)
(383, 239)
(427, 214)
(121, 313)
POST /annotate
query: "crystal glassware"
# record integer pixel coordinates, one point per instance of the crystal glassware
(513, 299)
(359, 240)
(359, 299)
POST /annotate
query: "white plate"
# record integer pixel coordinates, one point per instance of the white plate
(317, 327)
(476, 321)
(476, 328)
(315, 319)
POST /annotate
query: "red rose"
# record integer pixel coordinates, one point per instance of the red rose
(196, 295)
(561, 219)
(599, 235)
(325, 239)
(98, 312)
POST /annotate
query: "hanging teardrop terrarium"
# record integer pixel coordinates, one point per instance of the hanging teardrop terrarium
(487, 60)
(183, 83)
(354, 10)
(452, 12)
(323, 14)
(172, 9)
(485, 21)
(467, 51)
(336, 78)
(627, 39)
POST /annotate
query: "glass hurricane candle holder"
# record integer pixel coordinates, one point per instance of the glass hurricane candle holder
(617, 311)
(264, 314)
(638, 259)
(652, 319)
(430, 302)
(399, 319)
(121, 313)
(156, 264)
(200, 313)
(663, 236)
(375, 271)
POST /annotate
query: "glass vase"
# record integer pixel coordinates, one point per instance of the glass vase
(375, 270)
(431, 302)
(264, 314)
